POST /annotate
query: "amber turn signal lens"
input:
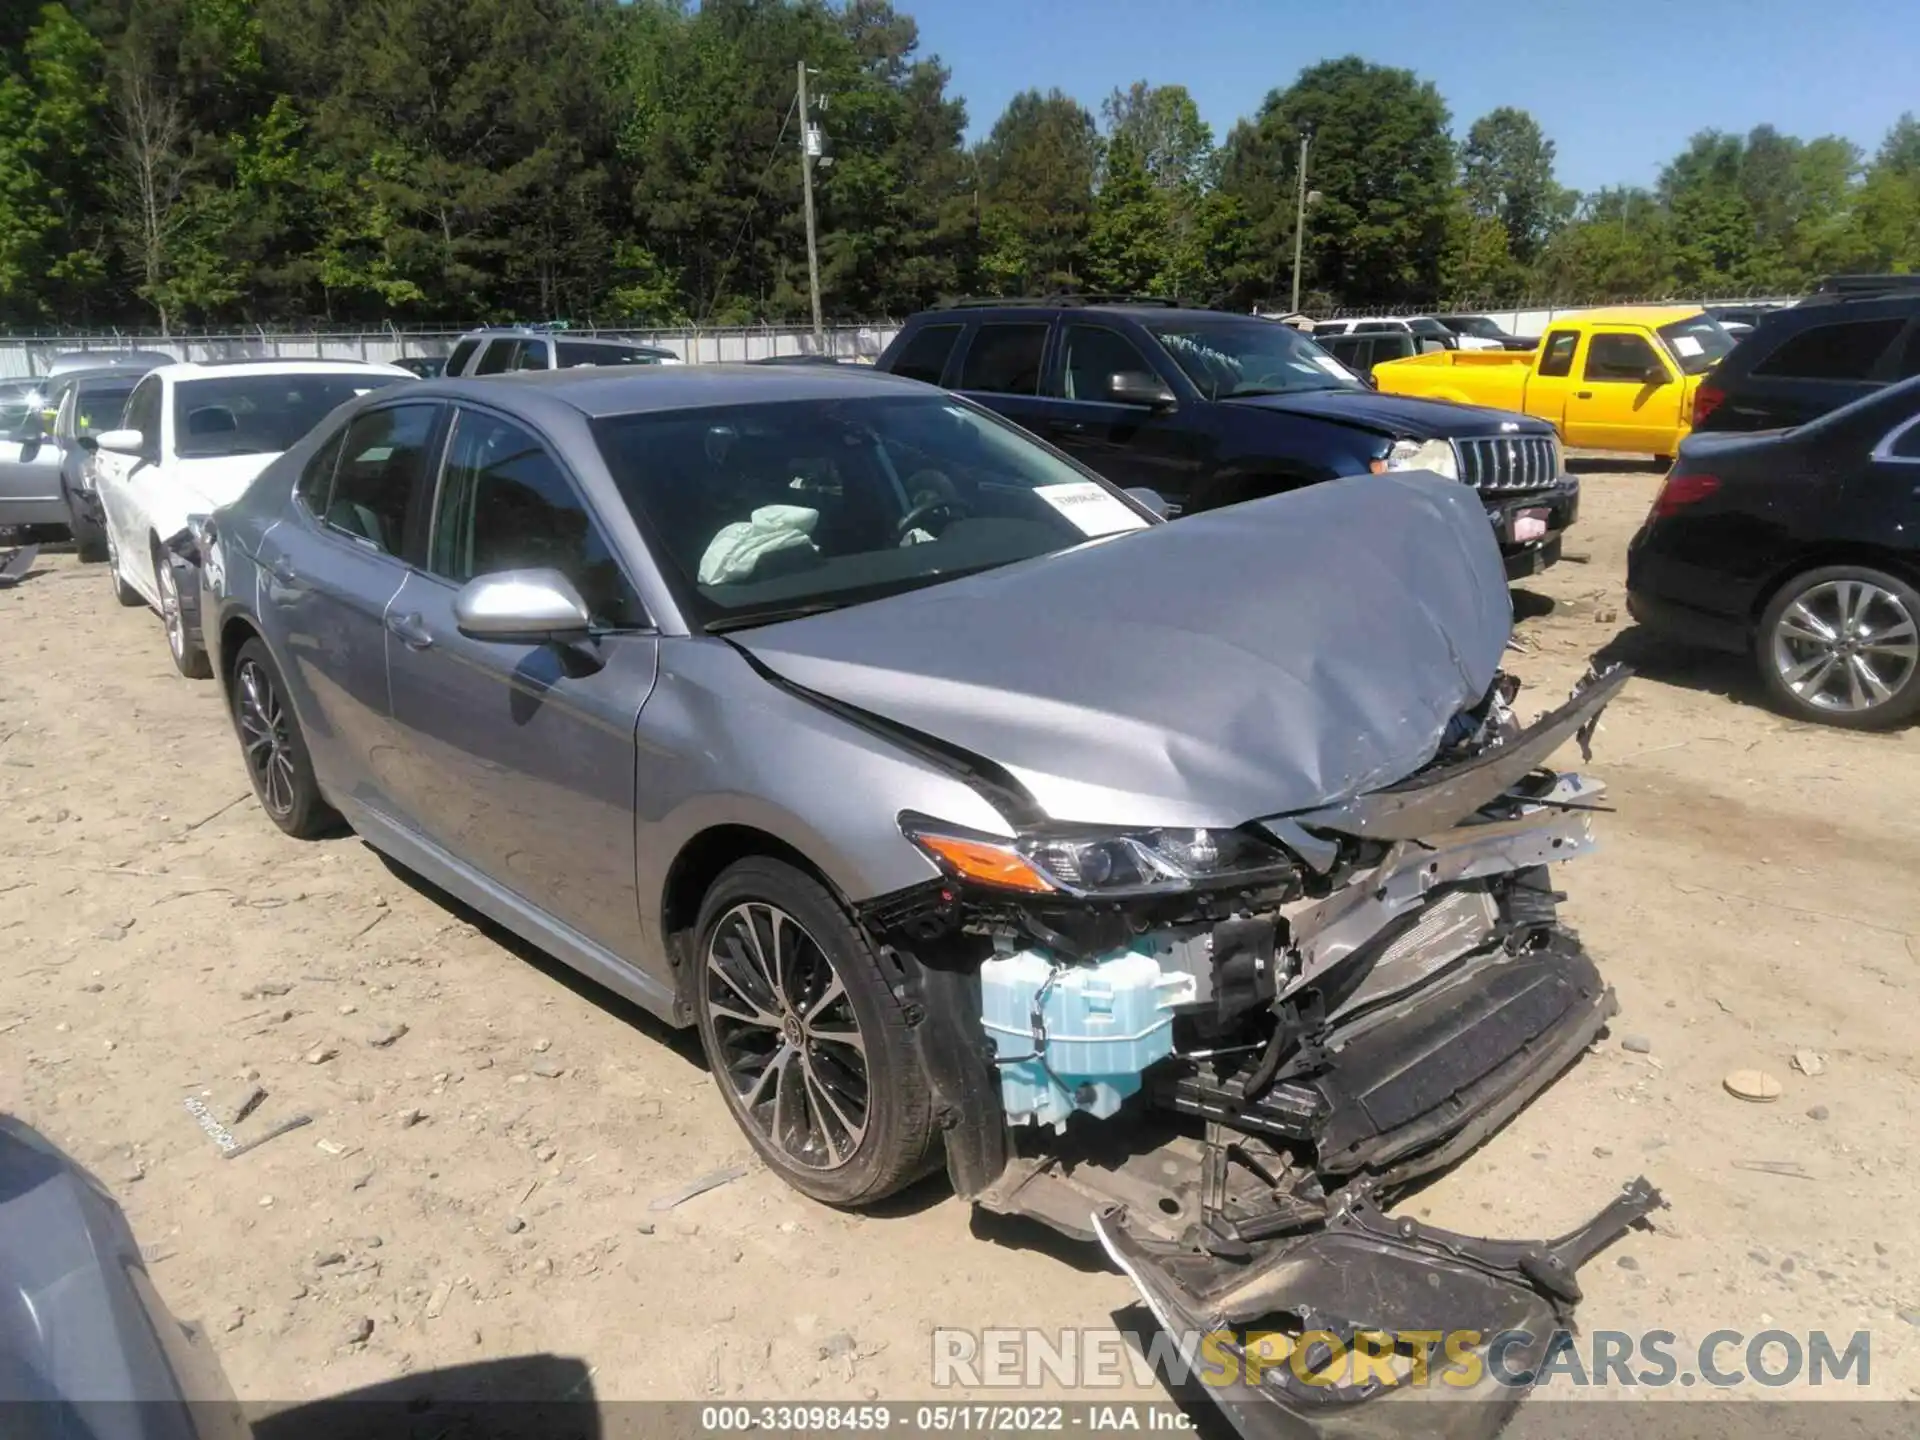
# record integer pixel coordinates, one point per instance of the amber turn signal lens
(985, 862)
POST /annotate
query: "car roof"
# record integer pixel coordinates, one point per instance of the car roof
(1652, 315)
(652, 389)
(1042, 310)
(202, 369)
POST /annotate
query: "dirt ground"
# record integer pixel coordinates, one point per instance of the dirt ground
(476, 1187)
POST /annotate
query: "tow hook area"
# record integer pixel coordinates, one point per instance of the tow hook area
(1317, 1335)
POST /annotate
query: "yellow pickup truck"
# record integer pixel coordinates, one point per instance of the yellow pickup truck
(1614, 379)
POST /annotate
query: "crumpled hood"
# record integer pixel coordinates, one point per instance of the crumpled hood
(1247, 662)
(1398, 415)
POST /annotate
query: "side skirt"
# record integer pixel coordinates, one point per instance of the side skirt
(502, 906)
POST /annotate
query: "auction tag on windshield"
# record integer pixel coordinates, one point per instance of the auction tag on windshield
(1092, 510)
(1686, 345)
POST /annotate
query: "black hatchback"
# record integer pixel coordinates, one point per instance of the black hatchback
(1802, 548)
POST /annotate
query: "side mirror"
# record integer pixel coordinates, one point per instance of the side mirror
(1138, 387)
(88, 443)
(121, 442)
(524, 607)
(1149, 497)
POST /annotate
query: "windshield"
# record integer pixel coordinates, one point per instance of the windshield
(1224, 358)
(255, 414)
(760, 512)
(1697, 343)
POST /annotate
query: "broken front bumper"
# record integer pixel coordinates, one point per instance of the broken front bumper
(1347, 1330)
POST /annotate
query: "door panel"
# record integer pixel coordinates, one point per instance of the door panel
(519, 759)
(1552, 378)
(1612, 407)
(329, 577)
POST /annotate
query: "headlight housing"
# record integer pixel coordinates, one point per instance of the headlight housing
(1434, 455)
(1102, 865)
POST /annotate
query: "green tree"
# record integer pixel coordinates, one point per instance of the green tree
(1887, 223)
(1507, 175)
(1036, 176)
(1617, 248)
(1383, 164)
(1130, 236)
(52, 99)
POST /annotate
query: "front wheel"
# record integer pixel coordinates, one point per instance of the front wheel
(189, 657)
(807, 1041)
(274, 749)
(1841, 645)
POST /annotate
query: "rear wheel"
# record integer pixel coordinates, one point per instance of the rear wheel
(274, 749)
(189, 658)
(807, 1041)
(1841, 645)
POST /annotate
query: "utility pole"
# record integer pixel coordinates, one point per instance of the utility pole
(809, 144)
(1300, 215)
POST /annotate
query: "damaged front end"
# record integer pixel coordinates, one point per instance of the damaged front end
(1293, 1020)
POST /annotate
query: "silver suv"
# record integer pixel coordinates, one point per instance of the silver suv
(500, 352)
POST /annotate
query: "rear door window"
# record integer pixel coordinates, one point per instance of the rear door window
(1845, 350)
(98, 405)
(1556, 353)
(1004, 359)
(924, 356)
(1909, 365)
(380, 488)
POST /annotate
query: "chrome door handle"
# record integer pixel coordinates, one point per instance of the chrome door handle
(411, 630)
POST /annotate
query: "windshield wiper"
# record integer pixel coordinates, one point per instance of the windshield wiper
(770, 617)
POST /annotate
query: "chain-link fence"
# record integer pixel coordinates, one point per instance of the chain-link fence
(27, 355)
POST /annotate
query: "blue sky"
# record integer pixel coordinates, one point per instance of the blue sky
(1618, 86)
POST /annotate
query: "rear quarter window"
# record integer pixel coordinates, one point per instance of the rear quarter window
(462, 353)
(1843, 350)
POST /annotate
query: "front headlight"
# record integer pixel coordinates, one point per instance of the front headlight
(1434, 455)
(1108, 865)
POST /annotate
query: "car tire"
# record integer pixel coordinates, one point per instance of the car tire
(122, 591)
(806, 1038)
(1840, 645)
(272, 747)
(189, 656)
(89, 540)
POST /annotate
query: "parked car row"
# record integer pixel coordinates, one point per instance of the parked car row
(972, 812)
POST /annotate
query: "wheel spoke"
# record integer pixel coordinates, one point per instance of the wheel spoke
(828, 1106)
(770, 1074)
(755, 1013)
(1860, 673)
(1808, 623)
(1797, 674)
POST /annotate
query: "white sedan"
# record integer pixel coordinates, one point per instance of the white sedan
(192, 438)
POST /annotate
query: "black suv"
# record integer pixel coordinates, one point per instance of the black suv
(1207, 408)
(1854, 335)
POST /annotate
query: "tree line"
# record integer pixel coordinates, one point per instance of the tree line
(636, 162)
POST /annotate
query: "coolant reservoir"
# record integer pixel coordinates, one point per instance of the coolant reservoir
(1104, 1023)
